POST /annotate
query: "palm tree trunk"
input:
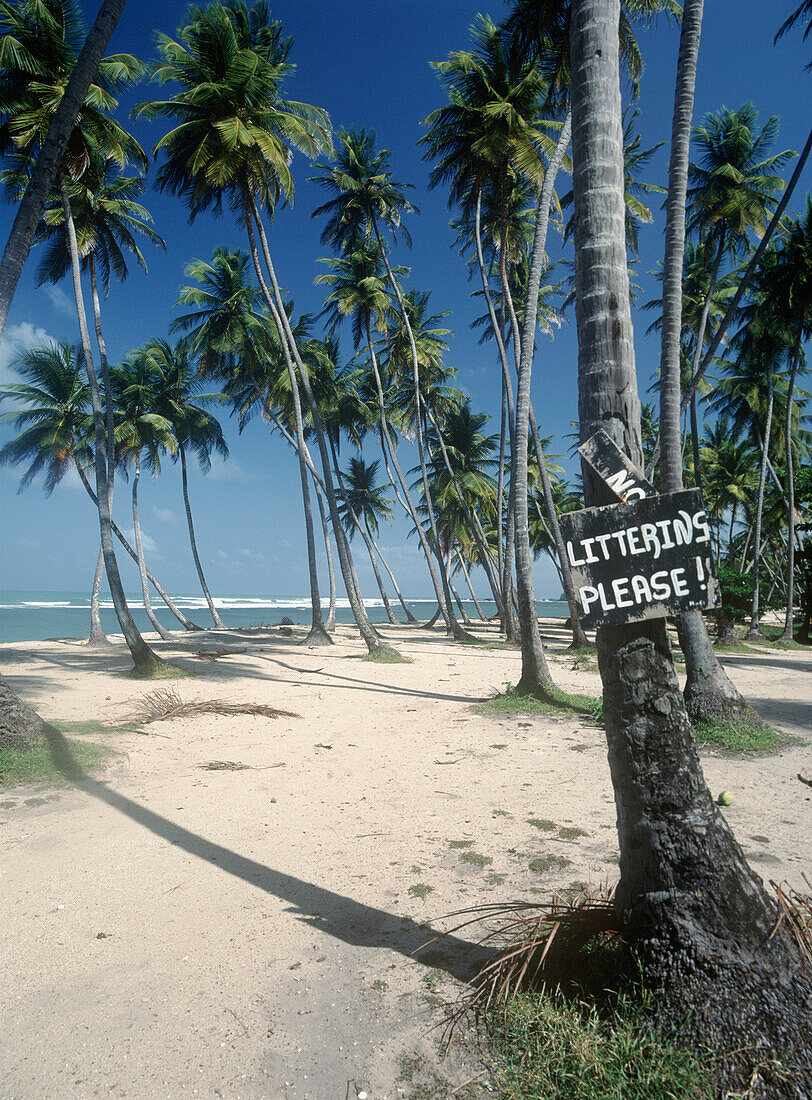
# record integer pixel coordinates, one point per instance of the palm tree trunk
(144, 660)
(754, 631)
(709, 693)
(786, 634)
(98, 639)
(275, 304)
(562, 561)
(330, 625)
(409, 616)
(139, 549)
(45, 170)
(535, 678)
(702, 923)
(371, 548)
(467, 575)
(185, 622)
(218, 622)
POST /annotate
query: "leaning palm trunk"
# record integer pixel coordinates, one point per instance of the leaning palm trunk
(144, 660)
(754, 631)
(218, 622)
(561, 560)
(275, 304)
(709, 694)
(318, 634)
(97, 639)
(139, 549)
(185, 622)
(466, 574)
(535, 678)
(370, 545)
(705, 930)
(390, 452)
(330, 625)
(409, 616)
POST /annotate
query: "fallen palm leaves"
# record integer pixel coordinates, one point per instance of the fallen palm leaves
(165, 703)
(796, 909)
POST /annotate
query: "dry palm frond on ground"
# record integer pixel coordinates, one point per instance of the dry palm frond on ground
(166, 703)
(796, 909)
(535, 944)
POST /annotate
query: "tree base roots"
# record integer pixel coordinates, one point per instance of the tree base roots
(711, 706)
(751, 1007)
(317, 636)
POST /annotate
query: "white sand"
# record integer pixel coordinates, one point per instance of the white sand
(171, 931)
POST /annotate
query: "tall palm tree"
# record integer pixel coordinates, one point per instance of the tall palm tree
(711, 917)
(362, 508)
(233, 140)
(43, 39)
(241, 346)
(181, 400)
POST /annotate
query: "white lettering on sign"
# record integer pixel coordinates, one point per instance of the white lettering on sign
(682, 530)
(623, 485)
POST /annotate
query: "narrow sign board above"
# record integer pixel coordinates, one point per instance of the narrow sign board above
(642, 559)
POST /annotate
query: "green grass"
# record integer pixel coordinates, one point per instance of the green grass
(34, 762)
(557, 1047)
(420, 890)
(543, 864)
(162, 671)
(387, 657)
(93, 725)
(543, 824)
(743, 734)
(555, 701)
(475, 859)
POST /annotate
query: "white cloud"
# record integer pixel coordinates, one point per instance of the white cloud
(223, 469)
(59, 300)
(165, 515)
(16, 339)
(149, 545)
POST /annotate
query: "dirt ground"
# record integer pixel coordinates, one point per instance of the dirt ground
(260, 931)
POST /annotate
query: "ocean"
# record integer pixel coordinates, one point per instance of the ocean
(36, 616)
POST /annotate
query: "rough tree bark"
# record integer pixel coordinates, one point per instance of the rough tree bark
(699, 917)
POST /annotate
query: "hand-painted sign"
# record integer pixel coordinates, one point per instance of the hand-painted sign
(613, 467)
(640, 560)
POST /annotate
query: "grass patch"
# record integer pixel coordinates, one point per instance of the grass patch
(560, 1046)
(771, 636)
(581, 651)
(420, 890)
(554, 702)
(543, 824)
(387, 657)
(460, 843)
(543, 864)
(743, 734)
(572, 832)
(32, 762)
(475, 859)
(162, 671)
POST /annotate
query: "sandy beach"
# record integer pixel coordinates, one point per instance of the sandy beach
(254, 930)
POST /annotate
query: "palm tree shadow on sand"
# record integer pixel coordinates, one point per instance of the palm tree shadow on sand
(344, 918)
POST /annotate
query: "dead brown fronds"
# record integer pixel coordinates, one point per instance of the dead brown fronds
(224, 766)
(535, 944)
(165, 703)
(795, 909)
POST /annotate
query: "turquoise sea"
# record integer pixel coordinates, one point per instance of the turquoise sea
(35, 616)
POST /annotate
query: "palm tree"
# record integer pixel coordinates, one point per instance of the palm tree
(43, 40)
(179, 398)
(233, 140)
(141, 432)
(712, 915)
(54, 425)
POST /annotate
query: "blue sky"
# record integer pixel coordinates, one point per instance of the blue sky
(367, 63)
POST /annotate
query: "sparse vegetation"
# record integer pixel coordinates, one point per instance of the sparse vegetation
(555, 701)
(33, 762)
(746, 733)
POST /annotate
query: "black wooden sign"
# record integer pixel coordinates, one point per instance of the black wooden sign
(615, 468)
(641, 559)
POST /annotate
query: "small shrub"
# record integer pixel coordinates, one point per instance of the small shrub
(741, 733)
